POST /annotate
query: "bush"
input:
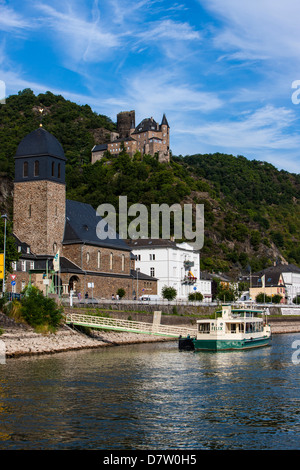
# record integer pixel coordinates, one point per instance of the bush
(121, 292)
(169, 293)
(195, 296)
(38, 310)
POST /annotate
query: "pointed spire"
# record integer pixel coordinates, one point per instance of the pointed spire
(164, 121)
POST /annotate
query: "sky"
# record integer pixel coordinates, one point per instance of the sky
(225, 72)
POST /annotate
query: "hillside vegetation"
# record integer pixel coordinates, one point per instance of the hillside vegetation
(252, 210)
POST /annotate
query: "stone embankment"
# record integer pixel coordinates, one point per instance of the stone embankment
(21, 340)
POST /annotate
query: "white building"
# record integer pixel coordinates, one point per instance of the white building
(173, 264)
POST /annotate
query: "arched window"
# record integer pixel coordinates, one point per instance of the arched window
(36, 168)
(25, 169)
(88, 257)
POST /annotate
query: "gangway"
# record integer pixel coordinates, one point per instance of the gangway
(93, 321)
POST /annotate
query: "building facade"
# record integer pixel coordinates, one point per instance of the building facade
(173, 264)
(148, 137)
(282, 279)
(60, 248)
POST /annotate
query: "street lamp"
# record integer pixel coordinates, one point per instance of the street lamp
(5, 219)
(137, 282)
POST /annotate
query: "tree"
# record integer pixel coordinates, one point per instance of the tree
(38, 310)
(121, 292)
(169, 293)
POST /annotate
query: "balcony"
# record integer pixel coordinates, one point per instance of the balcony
(189, 279)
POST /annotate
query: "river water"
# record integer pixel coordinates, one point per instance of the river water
(151, 397)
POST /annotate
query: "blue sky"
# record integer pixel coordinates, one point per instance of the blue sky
(221, 70)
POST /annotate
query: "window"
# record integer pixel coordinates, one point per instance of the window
(28, 250)
(99, 259)
(152, 272)
(58, 171)
(54, 247)
(152, 257)
(111, 261)
(19, 249)
(53, 168)
(25, 169)
(23, 265)
(36, 168)
(31, 264)
(22, 285)
(88, 257)
(14, 265)
(29, 211)
(123, 262)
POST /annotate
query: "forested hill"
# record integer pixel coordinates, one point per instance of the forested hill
(252, 210)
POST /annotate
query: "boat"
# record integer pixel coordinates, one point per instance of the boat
(231, 329)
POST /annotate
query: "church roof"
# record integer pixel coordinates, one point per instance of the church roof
(81, 227)
(40, 142)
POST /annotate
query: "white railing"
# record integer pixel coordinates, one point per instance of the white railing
(128, 325)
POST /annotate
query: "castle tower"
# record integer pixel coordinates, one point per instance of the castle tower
(125, 120)
(39, 207)
(165, 131)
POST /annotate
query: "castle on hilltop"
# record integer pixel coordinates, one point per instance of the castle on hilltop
(148, 137)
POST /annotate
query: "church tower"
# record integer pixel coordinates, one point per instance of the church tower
(39, 208)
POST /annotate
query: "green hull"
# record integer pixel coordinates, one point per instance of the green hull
(224, 345)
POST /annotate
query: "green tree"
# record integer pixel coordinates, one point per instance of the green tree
(38, 310)
(169, 293)
(121, 292)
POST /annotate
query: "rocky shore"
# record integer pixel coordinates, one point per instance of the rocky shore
(21, 340)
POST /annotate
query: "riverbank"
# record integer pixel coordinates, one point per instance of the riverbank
(21, 340)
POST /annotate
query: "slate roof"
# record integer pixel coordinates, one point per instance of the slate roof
(40, 142)
(273, 273)
(150, 242)
(81, 227)
(147, 124)
(99, 147)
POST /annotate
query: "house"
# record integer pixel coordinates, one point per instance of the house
(148, 137)
(60, 248)
(173, 264)
(282, 279)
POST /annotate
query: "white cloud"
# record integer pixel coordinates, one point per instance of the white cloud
(11, 21)
(260, 29)
(80, 38)
(264, 128)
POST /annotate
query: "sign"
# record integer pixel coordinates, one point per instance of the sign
(91, 284)
(13, 276)
(13, 283)
(195, 288)
(1, 265)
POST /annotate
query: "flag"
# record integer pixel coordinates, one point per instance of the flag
(263, 281)
(56, 262)
(1, 266)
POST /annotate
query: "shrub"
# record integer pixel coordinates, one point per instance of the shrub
(121, 292)
(195, 296)
(169, 293)
(38, 310)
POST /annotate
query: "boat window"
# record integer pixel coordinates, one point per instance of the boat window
(233, 328)
(204, 327)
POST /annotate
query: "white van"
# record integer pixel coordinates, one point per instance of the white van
(148, 298)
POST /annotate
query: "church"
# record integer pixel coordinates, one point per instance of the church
(59, 248)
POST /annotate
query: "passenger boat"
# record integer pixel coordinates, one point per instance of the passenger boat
(238, 328)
